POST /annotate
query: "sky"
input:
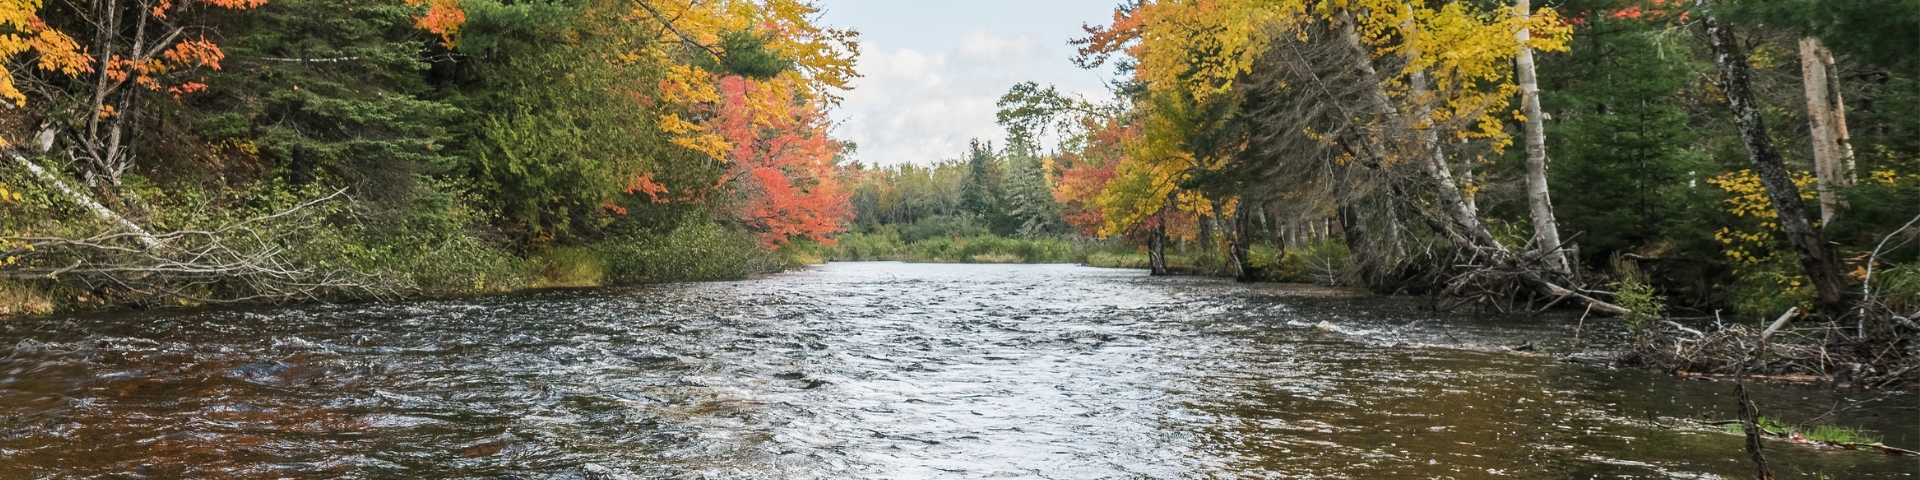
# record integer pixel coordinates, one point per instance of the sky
(933, 70)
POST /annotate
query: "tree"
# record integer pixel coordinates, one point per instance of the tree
(138, 48)
(1731, 61)
(980, 193)
(1546, 231)
(1827, 118)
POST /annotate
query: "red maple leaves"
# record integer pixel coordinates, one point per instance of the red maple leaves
(783, 162)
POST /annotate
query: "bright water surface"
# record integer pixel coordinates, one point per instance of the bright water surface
(879, 370)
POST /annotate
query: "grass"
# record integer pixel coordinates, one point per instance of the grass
(996, 257)
(1117, 260)
(570, 267)
(21, 299)
(1819, 433)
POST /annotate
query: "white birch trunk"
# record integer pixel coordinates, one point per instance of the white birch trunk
(87, 202)
(1546, 230)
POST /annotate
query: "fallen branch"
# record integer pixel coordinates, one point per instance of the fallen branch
(87, 202)
(242, 261)
(1782, 322)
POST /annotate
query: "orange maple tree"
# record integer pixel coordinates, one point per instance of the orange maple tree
(782, 160)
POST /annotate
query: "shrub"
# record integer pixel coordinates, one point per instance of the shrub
(1117, 260)
(696, 250)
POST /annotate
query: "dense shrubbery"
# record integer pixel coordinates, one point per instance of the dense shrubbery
(462, 147)
(885, 244)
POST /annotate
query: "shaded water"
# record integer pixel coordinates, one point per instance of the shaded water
(877, 370)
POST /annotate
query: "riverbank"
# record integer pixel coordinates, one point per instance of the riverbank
(1320, 262)
(460, 265)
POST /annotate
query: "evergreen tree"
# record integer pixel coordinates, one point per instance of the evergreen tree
(980, 194)
(1624, 173)
(340, 102)
(1029, 200)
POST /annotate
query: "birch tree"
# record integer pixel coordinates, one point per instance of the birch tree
(1546, 231)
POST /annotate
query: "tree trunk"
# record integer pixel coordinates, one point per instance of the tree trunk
(1240, 242)
(1732, 63)
(146, 239)
(1546, 231)
(1207, 223)
(1832, 152)
(1157, 249)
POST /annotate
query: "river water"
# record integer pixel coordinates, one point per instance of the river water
(881, 370)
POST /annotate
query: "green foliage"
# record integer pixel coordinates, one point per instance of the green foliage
(1644, 306)
(693, 251)
(1898, 287)
(1818, 433)
(570, 267)
(1624, 175)
(885, 244)
(342, 101)
(1118, 260)
(1323, 262)
(981, 193)
(1029, 204)
(745, 53)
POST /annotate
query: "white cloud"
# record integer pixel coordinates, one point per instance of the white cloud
(918, 107)
(980, 46)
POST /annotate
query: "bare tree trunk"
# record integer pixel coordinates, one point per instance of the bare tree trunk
(1364, 260)
(1207, 223)
(1240, 242)
(1157, 249)
(1546, 230)
(1732, 63)
(1832, 152)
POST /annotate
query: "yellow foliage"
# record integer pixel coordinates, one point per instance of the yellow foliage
(823, 60)
(24, 31)
(1196, 49)
(1746, 197)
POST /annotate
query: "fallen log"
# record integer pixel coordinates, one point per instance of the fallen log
(146, 238)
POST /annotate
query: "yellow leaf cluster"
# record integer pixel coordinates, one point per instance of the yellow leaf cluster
(1747, 197)
(1196, 49)
(823, 60)
(24, 31)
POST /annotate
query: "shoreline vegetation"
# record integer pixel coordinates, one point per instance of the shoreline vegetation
(1754, 162)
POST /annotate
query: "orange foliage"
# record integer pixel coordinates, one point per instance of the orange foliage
(443, 18)
(781, 160)
(236, 4)
(644, 183)
(1082, 176)
(195, 52)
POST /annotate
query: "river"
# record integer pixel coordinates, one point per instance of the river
(882, 370)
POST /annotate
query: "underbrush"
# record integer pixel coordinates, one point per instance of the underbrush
(887, 244)
(282, 243)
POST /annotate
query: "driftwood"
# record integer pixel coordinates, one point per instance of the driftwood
(1826, 353)
(1782, 322)
(1750, 424)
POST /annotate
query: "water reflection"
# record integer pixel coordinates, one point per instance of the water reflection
(873, 370)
